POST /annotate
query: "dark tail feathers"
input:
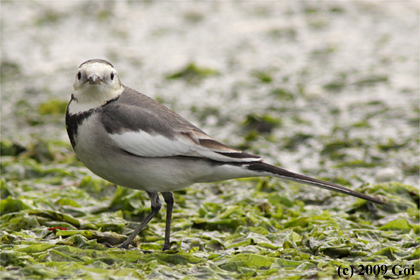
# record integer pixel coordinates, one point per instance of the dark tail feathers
(284, 174)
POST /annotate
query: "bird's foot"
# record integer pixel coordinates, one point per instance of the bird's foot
(124, 245)
(166, 246)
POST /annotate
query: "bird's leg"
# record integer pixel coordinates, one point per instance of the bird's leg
(169, 199)
(156, 205)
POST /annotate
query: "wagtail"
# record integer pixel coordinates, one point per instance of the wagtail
(133, 141)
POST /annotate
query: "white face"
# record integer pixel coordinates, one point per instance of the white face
(95, 83)
(94, 74)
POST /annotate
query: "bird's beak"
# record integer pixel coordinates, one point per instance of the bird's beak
(94, 79)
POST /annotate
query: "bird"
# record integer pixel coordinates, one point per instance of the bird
(131, 140)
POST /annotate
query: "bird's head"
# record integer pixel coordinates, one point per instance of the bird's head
(96, 82)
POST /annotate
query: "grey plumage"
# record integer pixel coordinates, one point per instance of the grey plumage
(131, 140)
(98, 61)
(150, 117)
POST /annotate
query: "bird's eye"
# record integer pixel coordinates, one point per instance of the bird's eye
(112, 76)
(79, 75)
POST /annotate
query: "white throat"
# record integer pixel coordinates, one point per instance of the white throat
(92, 96)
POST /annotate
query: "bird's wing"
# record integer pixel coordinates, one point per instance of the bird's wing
(186, 143)
(156, 131)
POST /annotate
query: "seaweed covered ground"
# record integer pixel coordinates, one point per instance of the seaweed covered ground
(328, 89)
(58, 222)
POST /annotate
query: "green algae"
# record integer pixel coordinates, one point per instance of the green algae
(55, 231)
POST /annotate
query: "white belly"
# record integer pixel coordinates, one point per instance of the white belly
(100, 154)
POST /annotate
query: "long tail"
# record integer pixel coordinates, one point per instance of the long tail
(271, 170)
